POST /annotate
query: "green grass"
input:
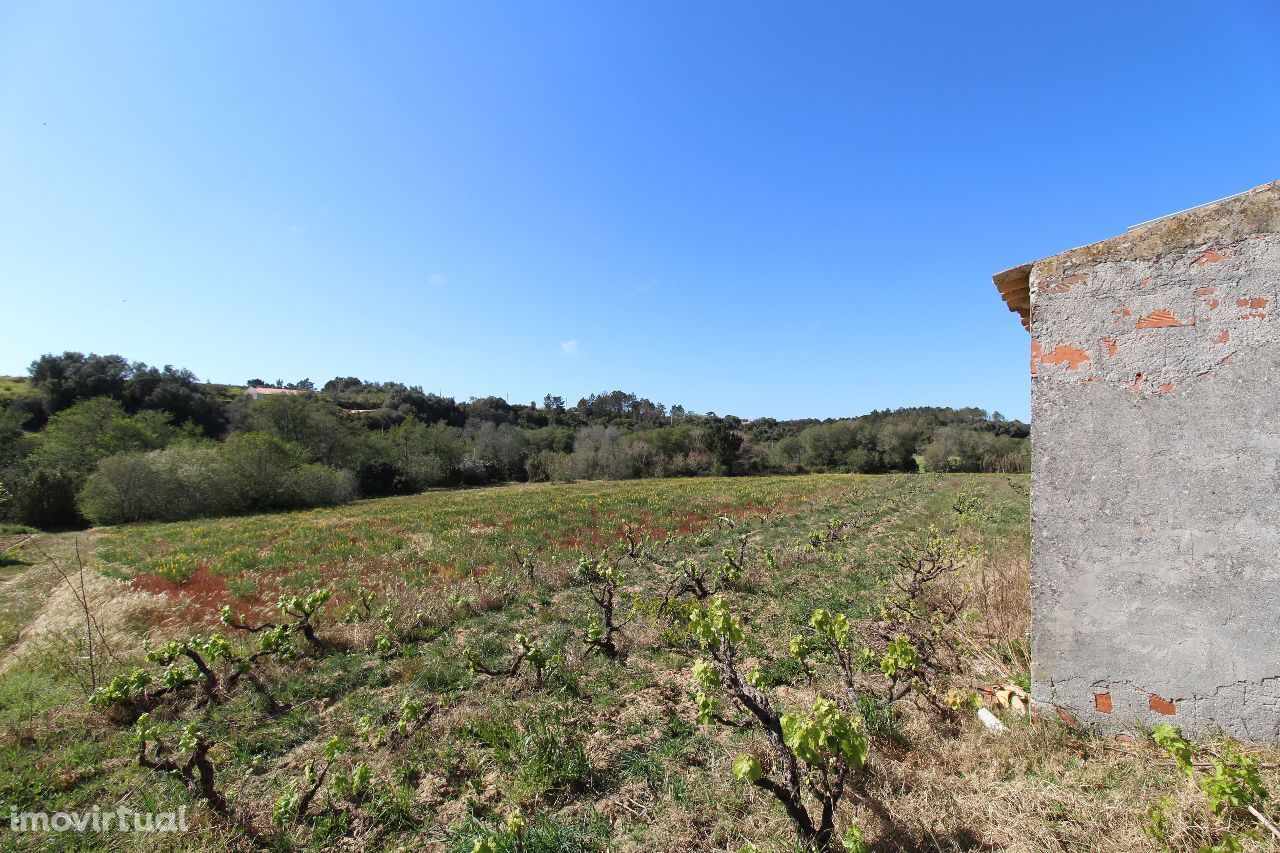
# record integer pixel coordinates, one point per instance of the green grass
(428, 541)
(14, 386)
(605, 754)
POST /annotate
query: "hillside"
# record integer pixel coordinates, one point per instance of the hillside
(13, 386)
(104, 440)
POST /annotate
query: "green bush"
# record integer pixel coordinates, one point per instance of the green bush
(128, 487)
(548, 466)
(179, 482)
(318, 485)
(249, 472)
(45, 496)
(44, 484)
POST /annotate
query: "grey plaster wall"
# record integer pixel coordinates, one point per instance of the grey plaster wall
(1156, 474)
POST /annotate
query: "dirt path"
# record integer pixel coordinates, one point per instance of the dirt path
(40, 597)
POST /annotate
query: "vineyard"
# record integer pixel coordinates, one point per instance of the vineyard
(709, 664)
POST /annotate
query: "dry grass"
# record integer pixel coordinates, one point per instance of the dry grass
(1040, 787)
(42, 608)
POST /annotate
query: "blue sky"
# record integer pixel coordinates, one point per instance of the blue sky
(791, 209)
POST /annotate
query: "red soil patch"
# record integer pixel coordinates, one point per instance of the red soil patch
(200, 598)
(203, 594)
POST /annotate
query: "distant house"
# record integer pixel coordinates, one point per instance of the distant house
(258, 393)
(1155, 497)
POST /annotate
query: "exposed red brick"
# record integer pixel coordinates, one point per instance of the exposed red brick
(1162, 320)
(1124, 738)
(1213, 304)
(1254, 315)
(1162, 706)
(1063, 354)
(1061, 285)
(1144, 282)
(1136, 383)
(1068, 719)
(1110, 344)
(1166, 388)
(1206, 291)
(1222, 338)
(1211, 256)
(1119, 313)
(1254, 302)
(1036, 351)
(1102, 701)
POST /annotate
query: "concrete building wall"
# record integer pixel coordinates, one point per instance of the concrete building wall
(1156, 473)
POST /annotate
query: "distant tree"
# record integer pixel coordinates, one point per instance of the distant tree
(502, 448)
(318, 426)
(64, 379)
(554, 408)
(78, 437)
(429, 408)
(494, 410)
(45, 482)
(425, 455)
(598, 454)
(177, 392)
(787, 454)
(554, 438)
(28, 412)
(721, 442)
(339, 384)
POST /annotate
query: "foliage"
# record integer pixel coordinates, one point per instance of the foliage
(1233, 786)
(821, 751)
(247, 473)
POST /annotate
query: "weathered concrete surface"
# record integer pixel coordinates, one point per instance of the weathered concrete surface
(1156, 474)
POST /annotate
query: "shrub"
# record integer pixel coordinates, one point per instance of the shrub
(318, 485)
(598, 454)
(472, 470)
(45, 496)
(548, 466)
(259, 465)
(423, 455)
(252, 471)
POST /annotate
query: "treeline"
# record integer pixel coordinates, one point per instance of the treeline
(105, 440)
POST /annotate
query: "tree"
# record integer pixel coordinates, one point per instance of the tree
(177, 392)
(64, 379)
(598, 454)
(76, 438)
(424, 455)
(721, 442)
(503, 448)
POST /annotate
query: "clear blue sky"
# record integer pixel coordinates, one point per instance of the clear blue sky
(790, 209)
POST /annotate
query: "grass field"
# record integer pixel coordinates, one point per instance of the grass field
(595, 752)
(13, 386)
